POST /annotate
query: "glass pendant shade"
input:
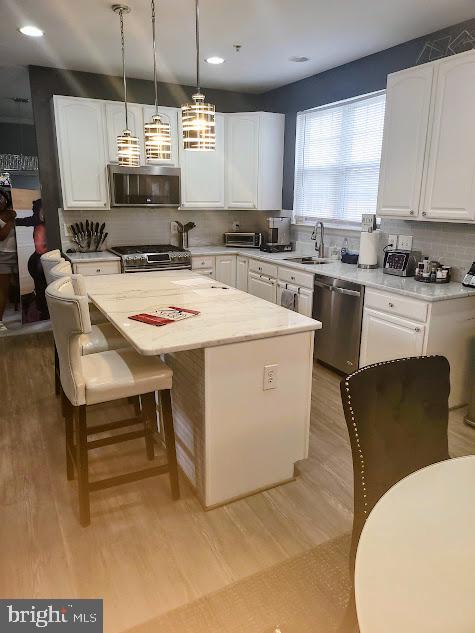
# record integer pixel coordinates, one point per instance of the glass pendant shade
(198, 125)
(158, 140)
(128, 149)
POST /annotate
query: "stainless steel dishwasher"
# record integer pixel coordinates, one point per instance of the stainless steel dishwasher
(338, 305)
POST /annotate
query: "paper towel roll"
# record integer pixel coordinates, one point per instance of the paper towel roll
(369, 249)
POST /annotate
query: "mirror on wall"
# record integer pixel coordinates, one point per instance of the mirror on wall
(22, 216)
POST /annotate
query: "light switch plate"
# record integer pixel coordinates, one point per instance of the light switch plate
(392, 239)
(404, 242)
(173, 228)
(67, 230)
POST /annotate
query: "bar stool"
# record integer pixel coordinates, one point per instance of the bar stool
(49, 260)
(104, 377)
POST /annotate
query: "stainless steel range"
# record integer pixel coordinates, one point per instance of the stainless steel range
(155, 257)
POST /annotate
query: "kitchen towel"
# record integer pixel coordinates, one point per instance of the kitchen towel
(288, 299)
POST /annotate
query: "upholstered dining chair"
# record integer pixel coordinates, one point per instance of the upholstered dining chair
(49, 260)
(397, 418)
(106, 376)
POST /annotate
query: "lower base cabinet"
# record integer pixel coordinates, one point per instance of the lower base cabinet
(242, 270)
(304, 301)
(262, 286)
(386, 337)
(225, 269)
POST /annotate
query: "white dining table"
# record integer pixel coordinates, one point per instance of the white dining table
(415, 564)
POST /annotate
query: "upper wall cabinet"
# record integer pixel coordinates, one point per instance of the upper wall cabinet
(450, 186)
(82, 152)
(254, 160)
(115, 122)
(202, 174)
(169, 115)
(428, 162)
(405, 133)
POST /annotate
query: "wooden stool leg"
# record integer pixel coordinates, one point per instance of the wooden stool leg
(69, 434)
(57, 379)
(149, 417)
(167, 421)
(82, 466)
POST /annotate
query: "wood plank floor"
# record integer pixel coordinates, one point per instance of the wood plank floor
(143, 553)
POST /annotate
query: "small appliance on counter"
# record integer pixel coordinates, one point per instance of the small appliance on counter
(277, 238)
(401, 263)
(243, 240)
(469, 280)
(432, 272)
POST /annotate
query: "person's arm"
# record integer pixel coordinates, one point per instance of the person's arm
(31, 220)
(5, 228)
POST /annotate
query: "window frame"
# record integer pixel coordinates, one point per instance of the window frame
(307, 220)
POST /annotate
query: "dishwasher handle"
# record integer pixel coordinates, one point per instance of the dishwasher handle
(342, 291)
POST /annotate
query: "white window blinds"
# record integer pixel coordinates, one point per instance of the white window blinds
(337, 156)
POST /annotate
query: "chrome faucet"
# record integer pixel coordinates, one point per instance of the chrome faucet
(319, 243)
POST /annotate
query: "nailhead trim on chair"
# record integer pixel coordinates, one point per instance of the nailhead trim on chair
(353, 419)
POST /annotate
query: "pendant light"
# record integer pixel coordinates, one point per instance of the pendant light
(158, 140)
(128, 149)
(198, 118)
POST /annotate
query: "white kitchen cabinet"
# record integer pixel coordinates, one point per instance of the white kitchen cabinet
(97, 268)
(202, 174)
(386, 337)
(408, 96)
(450, 182)
(242, 269)
(115, 125)
(168, 115)
(82, 156)
(262, 286)
(254, 160)
(304, 301)
(226, 269)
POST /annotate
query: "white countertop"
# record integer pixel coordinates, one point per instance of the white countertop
(227, 315)
(374, 278)
(96, 256)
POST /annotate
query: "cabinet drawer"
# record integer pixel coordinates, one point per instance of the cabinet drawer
(202, 262)
(97, 268)
(209, 272)
(296, 277)
(396, 304)
(263, 268)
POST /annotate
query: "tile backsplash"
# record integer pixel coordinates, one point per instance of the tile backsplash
(451, 244)
(152, 226)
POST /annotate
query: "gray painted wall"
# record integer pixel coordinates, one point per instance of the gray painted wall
(17, 138)
(46, 82)
(362, 76)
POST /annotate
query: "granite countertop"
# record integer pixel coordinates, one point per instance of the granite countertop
(226, 315)
(374, 278)
(96, 256)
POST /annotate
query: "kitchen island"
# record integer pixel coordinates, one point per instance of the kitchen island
(242, 376)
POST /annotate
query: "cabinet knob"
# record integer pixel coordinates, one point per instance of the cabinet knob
(391, 305)
(98, 270)
(411, 212)
(417, 329)
(293, 278)
(424, 213)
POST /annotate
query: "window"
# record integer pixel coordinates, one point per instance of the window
(337, 156)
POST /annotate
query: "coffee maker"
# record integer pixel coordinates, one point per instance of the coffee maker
(277, 236)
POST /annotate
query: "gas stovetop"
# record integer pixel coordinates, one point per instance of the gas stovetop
(152, 257)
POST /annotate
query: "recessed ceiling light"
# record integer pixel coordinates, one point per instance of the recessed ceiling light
(214, 60)
(296, 58)
(31, 31)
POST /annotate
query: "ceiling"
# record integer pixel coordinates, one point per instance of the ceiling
(84, 35)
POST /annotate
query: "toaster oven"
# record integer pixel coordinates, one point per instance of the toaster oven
(243, 240)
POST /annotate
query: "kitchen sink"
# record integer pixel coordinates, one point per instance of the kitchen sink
(307, 260)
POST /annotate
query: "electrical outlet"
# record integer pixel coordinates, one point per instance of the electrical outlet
(404, 242)
(392, 241)
(236, 225)
(67, 230)
(173, 228)
(270, 377)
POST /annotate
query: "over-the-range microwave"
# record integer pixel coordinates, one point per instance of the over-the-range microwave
(150, 186)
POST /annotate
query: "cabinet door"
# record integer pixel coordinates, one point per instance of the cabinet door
(242, 269)
(450, 185)
(262, 287)
(226, 269)
(305, 302)
(384, 337)
(115, 119)
(405, 135)
(80, 135)
(169, 115)
(242, 164)
(202, 174)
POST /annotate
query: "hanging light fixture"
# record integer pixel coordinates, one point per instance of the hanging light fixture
(128, 149)
(198, 118)
(158, 140)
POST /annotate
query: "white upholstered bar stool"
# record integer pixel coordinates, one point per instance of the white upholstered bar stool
(49, 260)
(102, 337)
(104, 377)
